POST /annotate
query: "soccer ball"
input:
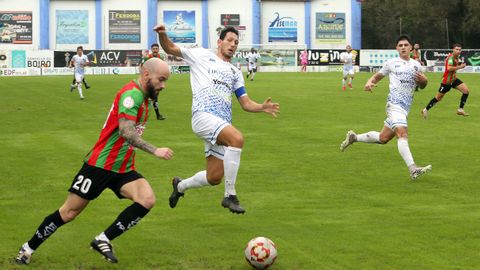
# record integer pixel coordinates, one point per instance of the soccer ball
(116, 71)
(260, 252)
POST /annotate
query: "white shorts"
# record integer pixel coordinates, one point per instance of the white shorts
(79, 77)
(207, 127)
(348, 71)
(396, 116)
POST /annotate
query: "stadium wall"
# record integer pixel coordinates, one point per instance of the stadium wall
(47, 62)
(267, 21)
(125, 5)
(67, 11)
(244, 24)
(195, 13)
(24, 5)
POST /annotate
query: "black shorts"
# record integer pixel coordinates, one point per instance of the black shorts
(444, 88)
(90, 181)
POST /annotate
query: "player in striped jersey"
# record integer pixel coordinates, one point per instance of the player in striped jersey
(111, 164)
(415, 54)
(156, 54)
(452, 64)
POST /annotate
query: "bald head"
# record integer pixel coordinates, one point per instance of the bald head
(156, 65)
(153, 75)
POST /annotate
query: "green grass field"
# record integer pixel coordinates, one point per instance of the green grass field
(324, 209)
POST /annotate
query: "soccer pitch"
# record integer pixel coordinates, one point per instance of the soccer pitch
(324, 209)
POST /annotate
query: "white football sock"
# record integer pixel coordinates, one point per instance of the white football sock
(28, 248)
(197, 180)
(404, 151)
(79, 87)
(102, 237)
(343, 82)
(369, 137)
(350, 80)
(231, 163)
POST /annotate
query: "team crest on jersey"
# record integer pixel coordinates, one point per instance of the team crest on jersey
(128, 102)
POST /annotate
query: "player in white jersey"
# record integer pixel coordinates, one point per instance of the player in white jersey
(348, 60)
(78, 62)
(239, 65)
(252, 59)
(404, 74)
(214, 80)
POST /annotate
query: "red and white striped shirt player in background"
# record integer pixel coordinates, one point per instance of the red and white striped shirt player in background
(449, 81)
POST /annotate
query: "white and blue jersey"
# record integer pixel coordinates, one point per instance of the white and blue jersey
(252, 59)
(402, 81)
(348, 57)
(79, 63)
(213, 82)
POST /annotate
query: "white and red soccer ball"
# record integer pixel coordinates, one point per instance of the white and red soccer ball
(260, 252)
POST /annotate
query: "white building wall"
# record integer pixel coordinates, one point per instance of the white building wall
(125, 5)
(184, 5)
(241, 7)
(338, 6)
(215, 8)
(296, 10)
(24, 5)
(88, 5)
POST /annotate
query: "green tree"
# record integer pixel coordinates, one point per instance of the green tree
(424, 21)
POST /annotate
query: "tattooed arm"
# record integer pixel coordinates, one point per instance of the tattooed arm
(127, 130)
